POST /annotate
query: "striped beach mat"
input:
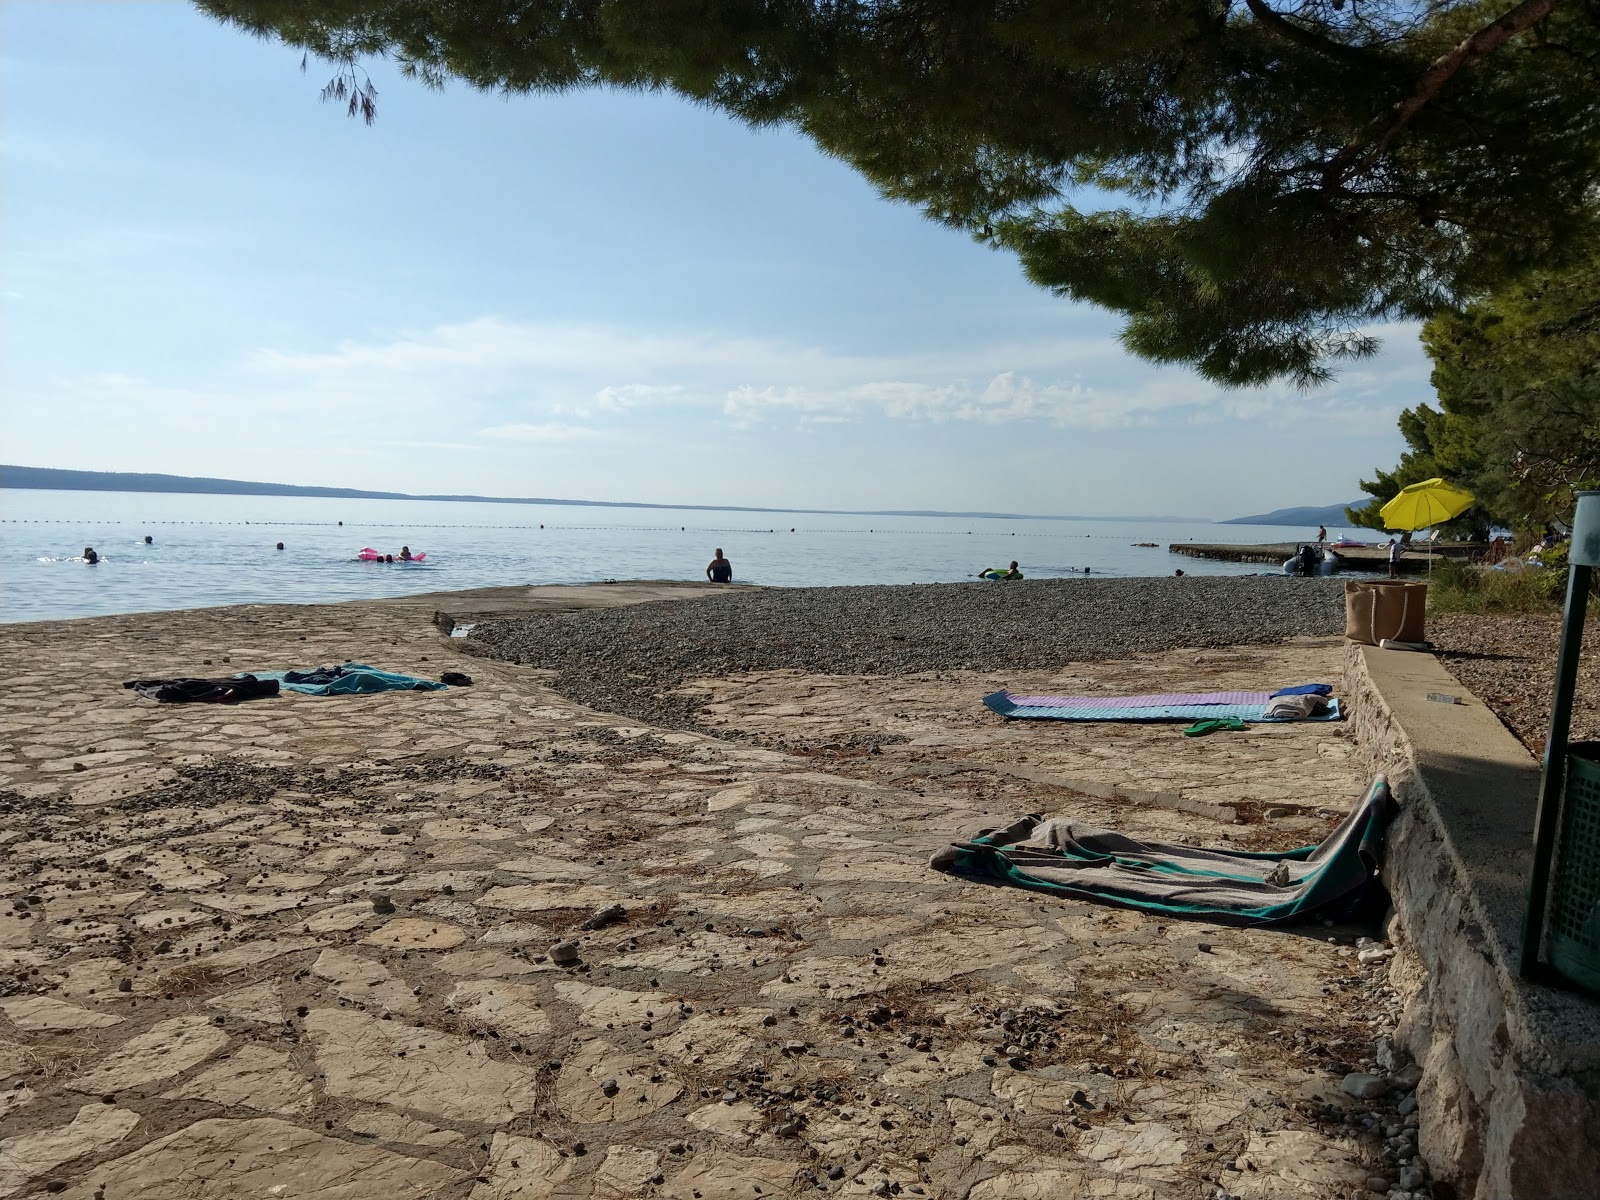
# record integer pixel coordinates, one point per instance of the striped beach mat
(1234, 887)
(1115, 708)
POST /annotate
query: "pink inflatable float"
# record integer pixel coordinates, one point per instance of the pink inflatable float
(368, 554)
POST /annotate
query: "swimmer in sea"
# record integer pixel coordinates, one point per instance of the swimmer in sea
(89, 556)
(719, 569)
(405, 553)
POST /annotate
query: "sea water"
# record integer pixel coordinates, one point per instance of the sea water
(211, 550)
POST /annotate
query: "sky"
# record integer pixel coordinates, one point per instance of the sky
(598, 295)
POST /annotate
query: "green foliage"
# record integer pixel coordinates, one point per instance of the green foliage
(1518, 423)
(1461, 587)
(1279, 177)
(1420, 427)
(1518, 377)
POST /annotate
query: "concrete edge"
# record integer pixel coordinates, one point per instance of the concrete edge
(1509, 1099)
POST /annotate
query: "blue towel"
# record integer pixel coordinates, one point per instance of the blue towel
(349, 679)
(1305, 689)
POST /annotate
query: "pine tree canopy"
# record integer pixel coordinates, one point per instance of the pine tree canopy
(1518, 381)
(1251, 184)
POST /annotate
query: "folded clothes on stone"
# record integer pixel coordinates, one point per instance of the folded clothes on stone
(187, 690)
(351, 678)
(1295, 707)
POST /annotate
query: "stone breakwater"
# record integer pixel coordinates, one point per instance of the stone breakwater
(628, 660)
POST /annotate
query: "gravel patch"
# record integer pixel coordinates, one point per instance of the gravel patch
(626, 660)
(1509, 662)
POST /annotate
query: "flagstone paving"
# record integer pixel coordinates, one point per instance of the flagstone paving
(302, 946)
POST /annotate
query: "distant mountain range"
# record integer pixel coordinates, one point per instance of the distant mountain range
(1333, 514)
(52, 479)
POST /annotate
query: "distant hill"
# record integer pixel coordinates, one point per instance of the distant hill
(1333, 514)
(52, 479)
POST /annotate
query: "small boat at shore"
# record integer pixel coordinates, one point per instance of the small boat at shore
(1312, 560)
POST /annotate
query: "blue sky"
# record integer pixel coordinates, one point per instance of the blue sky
(601, 296)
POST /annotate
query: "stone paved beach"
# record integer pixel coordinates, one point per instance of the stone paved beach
(303, 946)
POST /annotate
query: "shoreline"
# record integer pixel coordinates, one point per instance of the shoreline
(560, 597)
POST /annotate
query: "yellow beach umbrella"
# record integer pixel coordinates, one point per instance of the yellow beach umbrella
(1431, 502)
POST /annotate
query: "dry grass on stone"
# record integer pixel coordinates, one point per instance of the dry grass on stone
(48, 1062)
(195, 980)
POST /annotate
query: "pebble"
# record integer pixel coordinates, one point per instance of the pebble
(1363, 1086)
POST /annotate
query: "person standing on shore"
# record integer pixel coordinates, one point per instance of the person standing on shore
(1394, 559)
(1322, 534)
(719, 569)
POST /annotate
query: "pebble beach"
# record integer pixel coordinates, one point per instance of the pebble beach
(632, 660)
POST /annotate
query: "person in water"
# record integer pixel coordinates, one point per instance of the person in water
(719, 569)
(1010, 572)
(89, 556)
(280, 546)
(148, 540)
(405, 553)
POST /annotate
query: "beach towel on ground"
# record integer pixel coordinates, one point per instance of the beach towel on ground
(1108, 708)
(1233, 887)
(186, 690)
(351, 678)
(1154, 700)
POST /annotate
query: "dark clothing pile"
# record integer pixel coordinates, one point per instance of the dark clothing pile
(204, 691)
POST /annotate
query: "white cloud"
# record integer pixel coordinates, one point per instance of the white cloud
(492, 398)
(530, 373)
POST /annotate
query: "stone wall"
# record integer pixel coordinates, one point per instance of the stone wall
(1504, 1113)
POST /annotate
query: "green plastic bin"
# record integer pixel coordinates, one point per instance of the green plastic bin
(1574, 937)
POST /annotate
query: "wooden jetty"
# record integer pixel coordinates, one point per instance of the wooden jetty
(1356, 558)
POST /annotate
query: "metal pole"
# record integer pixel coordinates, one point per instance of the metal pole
(1552, 782)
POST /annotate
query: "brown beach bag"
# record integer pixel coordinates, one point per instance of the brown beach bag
(1375, 609)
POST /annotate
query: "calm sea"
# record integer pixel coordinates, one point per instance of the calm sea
(210, 550)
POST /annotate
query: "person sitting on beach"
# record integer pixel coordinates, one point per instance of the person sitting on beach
(1010, 572)
(719, 569)
(405, 553)
(89, 556)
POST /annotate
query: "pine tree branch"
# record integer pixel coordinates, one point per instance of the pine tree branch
(1356, 155)
(1301, 36)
